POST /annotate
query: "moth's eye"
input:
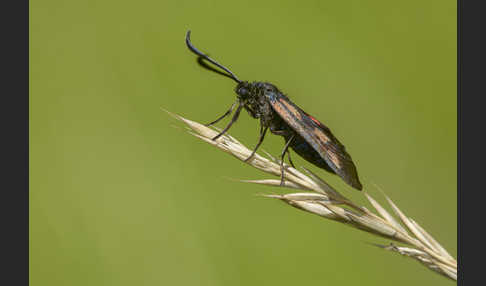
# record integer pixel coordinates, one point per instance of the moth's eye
(243, 91)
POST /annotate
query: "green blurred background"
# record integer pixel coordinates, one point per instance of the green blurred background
(118, 196)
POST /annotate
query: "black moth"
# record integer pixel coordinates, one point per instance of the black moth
(308, 137)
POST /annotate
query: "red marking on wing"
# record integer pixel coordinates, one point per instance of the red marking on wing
(313, 119)
(317, 122)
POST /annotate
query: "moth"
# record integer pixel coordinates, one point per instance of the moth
(303, 133)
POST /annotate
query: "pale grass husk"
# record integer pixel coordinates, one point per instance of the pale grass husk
(319, 198)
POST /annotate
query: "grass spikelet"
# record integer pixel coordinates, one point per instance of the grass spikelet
(320, 198)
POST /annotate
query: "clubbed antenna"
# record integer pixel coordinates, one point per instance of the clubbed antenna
(203, 56)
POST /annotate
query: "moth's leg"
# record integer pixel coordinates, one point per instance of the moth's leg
(284, 133)
(279, 132)
(263, 130)
(282, 157)
(223, 116)
(290, 160)
(233, 120)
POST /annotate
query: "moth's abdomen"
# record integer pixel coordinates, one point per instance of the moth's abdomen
(306, 151)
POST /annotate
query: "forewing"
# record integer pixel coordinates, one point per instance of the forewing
(318, 136)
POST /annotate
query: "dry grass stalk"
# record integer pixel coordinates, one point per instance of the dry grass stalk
(321, 199)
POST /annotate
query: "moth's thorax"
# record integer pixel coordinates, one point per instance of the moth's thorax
(250, 90)
(256, 96)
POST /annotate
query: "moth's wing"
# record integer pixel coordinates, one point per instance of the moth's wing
(318, 136)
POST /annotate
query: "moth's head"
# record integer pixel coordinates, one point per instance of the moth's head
(243, 90)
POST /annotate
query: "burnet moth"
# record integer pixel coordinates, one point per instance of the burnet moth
(308, 137)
